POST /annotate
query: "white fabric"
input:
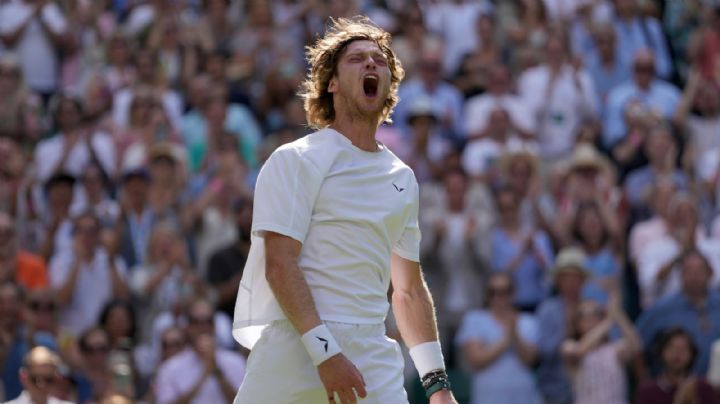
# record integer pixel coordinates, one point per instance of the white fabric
(171, 101)
(427, 357)
(49, 151)
(660, 252)
(478, 110)
(480, 155)
(559, 113)
(320, 344)
(280, 371)
(38, 58)
(24, 398)
(93, 288)
(179, 374)
(351, 209)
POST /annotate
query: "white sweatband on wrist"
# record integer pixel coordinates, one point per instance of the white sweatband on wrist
(320, 344)
(427, 357)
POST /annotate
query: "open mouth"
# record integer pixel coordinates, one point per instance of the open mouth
(370, 85)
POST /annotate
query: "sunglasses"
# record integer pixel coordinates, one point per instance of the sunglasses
(90, 349)
(204, 320)
(644, 68)
(500, 291)
(42, 306)
(38, 380)
(173, 344)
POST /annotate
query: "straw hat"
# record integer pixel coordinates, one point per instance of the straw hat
(570, 260)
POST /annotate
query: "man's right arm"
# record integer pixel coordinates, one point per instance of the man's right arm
(292, 292)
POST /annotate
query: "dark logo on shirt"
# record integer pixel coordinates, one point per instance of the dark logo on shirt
(398, 188)
(325, 341)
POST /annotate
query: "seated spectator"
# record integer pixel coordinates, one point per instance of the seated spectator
(39, 375)
(499, 345)
(55, 231)
(92, 373)
(74, 145)
(204, 372)
(657, 267)
(661, 149)
(86, 276)
(18, 265)
(646, 91)
(596, 232)
(696, 308)
(211, 117)
(655, 227)
(560, 95)
(481, 156)
(21, 112)
(675, 351)
(426, 148)
(525, 252)
(595, 362)
(638, 32)
(554, 317)
(225, 266)
(479, 109)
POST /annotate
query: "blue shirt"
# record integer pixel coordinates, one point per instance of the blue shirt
(602, 266)
(676, 311)
(632, 37)
(10, 374)
(552, 376)
(661, 96)
(529, 276)
(507, 379)
(605, 80)
(639, 181)
(445, 98)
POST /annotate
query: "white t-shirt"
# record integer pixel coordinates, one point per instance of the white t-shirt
(37, 53)
(478, 110)
(482, 154)
(350, 209)
(49, 152)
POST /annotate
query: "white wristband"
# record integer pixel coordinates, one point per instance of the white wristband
(320, 344)
(427, 357)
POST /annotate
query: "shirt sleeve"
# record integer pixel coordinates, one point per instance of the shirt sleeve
(472, 328)
(408, 246)
(285, 194)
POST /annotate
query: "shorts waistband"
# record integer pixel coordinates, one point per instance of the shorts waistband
(340, 328)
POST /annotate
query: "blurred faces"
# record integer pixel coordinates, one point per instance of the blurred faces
(500, 80)
(68, 115)
(87, 230)
(10, 306)
(119, 323)
(95, 346)
(42, 311)
(201, 319)
(508, 206)
(589, 314)
(173, 342)
(39, 381)
(500, 291)
(644, 69)
(695, 275)
(569, 284)
(9, 77)
(60, 198)
(677, 354)
(7, 236)
(659, 144)
(455, 188)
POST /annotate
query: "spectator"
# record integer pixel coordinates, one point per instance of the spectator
(604, 64)
(499, 345)
(479, 109)
(427, 148)
(530, 31)
(13, 180)
(676, 352)
(118, 320)
(39, 374)
(226, 265)
(472, 77)
(95, 196)
(696, 308)
(177, 49)
(21, 112)
(86, 276)
(655, 227)
(455, 236)
(555, 315)
(646, 94)
(560, 95)
(18, 265)
(119, 71)
(525, 252)
(641, 32)
(56, 225)
(203, 373)
(35, 30)
(446, 99)
(92, 374)
(74, 146)
(12, 346)
(596, 364)
(657, 267)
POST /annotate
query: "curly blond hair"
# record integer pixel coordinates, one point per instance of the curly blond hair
(323, 57)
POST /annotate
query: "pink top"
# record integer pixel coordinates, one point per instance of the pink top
(601, 377)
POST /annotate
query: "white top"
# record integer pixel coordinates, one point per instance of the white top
(350, 209)
(25, 398)
(560, 111)
(478, 110)
(481, 155)
(93, 288)
(49, 152)
(177, 376)
(37, 54)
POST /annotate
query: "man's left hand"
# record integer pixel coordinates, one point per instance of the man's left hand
(443, 397)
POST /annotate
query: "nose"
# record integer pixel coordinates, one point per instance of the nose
(370, 62)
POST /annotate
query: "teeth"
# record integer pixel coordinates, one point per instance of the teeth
(372, 77)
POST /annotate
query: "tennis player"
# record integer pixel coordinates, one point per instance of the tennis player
(335, 224)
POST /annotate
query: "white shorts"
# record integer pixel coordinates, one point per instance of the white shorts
(279, 369)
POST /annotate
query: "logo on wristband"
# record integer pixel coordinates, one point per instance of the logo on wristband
(325, 341)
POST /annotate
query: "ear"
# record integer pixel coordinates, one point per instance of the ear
(333, 85)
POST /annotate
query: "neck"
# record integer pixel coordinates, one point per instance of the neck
(675, 378)
(697, 299)
(360, 130)
(607, 59)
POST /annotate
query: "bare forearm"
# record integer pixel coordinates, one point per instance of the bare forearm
(594, 337)
(526, 352)
(481, 357)
(293, 294)
(64, 294)
(227, 389)
(118, 285)
(415, 315)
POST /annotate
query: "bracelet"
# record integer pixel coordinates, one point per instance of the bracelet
(427, 357)
(320, 344)
(434, 382)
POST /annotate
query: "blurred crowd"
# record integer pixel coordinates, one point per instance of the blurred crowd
(568, 153)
